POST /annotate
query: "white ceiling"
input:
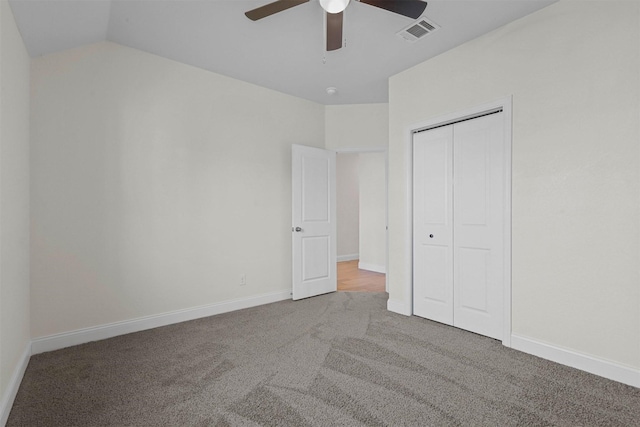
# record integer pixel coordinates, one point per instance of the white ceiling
(284, 52)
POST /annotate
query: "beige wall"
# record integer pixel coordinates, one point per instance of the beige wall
(347, 205)
(142, 137)
(155, 185)
(357, 126)
(576, 163)
(14, 199)
(372, 178)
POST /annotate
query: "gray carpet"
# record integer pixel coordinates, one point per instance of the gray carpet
(339, 359)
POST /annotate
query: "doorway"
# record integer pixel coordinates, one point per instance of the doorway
(361, 183)
(351, 278)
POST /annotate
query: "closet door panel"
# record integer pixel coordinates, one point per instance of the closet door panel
(432, 226)
(478, 210)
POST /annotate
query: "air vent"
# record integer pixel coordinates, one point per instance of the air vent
(418, 29)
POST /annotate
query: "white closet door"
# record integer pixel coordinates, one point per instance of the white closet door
(478, 210)
(433, 224)
(458, 224)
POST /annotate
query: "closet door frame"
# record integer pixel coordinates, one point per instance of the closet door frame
(504, 104)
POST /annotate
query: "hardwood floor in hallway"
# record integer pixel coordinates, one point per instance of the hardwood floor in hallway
(351, 278)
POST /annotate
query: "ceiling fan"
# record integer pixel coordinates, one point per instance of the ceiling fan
(334, 13)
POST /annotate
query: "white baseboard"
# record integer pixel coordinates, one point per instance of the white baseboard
(398, 307)
(14, 384)
(372, 267)
(81, 336)
(601, 367)
(350, 257)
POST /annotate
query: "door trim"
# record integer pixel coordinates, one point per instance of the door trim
(507, 110)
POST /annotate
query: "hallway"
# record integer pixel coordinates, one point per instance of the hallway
(351, 278)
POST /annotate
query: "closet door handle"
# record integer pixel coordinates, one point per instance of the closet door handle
(431, 236)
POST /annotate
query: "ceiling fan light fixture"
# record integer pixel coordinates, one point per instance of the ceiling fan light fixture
(334, 6)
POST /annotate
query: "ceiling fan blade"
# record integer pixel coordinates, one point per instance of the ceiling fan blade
(334, 30)
(271, 8)
(409, 8)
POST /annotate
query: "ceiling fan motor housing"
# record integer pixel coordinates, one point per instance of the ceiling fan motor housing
(334, 6)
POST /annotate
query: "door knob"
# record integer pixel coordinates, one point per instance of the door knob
(298, 229)
(431, 235)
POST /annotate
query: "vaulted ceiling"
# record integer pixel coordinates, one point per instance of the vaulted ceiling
(284, 52)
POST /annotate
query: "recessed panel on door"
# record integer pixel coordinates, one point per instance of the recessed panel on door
(433, 269)
(316, 252)
(435, 181)
(472, 285)
(315, 189)
(472, 163)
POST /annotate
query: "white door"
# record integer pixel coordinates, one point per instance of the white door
(478, 210)
(433, 224)
(313, 221)
(459, 193)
